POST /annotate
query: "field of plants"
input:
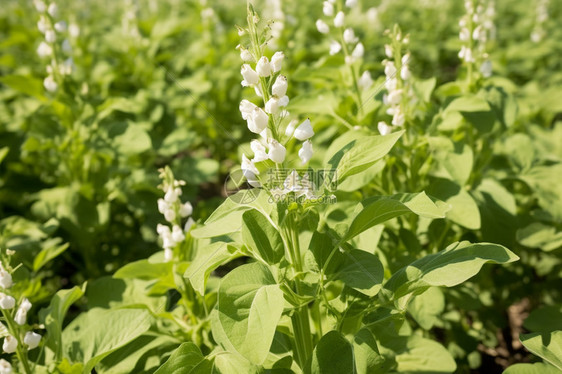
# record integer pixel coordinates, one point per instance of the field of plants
(280, 186)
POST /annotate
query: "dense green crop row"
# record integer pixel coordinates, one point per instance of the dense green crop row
(346, 186)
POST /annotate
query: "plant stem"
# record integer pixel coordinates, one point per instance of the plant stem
(20, 352)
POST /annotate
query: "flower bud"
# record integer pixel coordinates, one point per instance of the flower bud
(5, 367)
(5, 278)
(276, 152)
(50, 36)
(277, 61)
(339, 19)
(291, 127)
(53, 10)
(349, 36)
(32, 339)
(306, 152)
(74, 30)
(335, 47)
(50, 84)
(186, 209)
(250, 76)
(168, 254)
(44, 50)
(42, 24)
(246, 108)
(60, 26)
(169, 215)
(40, 6)
(6, 301)
(388, 51)
(177, 234)
(283, 102)
(328, 9)
(365, 81)
(259, 151)
(384, 129)
(258, 120)
(322, 27)
(350, 3)
(304, 131)
(279, 88)
(272, 105)
(66, 47)
(358, 51)
(10, 344)
(263, 67)
(172, 195)
(398, 119)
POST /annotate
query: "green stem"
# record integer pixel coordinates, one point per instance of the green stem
(20, 352)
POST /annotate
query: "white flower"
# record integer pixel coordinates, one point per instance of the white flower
(172, 195)
(257, 121)
(177, 234)
(169, 215)
(339, 19)
(272, 105)
(162, 206)
(349, 36)
(250, 76)
(190, 222)
(53, 10)
(466, 54)
(67, 67)
(162, 230)
(60, 26)
(246, 108)
(277, 61)
(259, 151)
(168, 254)
(306, 152)
(350, 3)
(5, 367)
(50, 36)
(32, 339)
(398, 119)
(365, 81)
(10, 344)
(291, 127)
(250, 171)
(486, 69)
(40, 6)
(74, 30)
(322, 27)
(384, 129)
(186, 209)
(6, 301)
(388, 51)
(405, 73)
(279, 87)
(245, 55)
(276, 152)
(328, 9)
(263, 67)
(66, 47)
(283, 102)
(394, 97)
(42, 24)
(391, 84)
(335, 47)
(389, 69)
(464, 35)
(5, 278)
(304, 131)
(359, 51)
(44, 50)
(50, 84)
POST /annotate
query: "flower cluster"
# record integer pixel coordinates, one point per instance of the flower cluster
(56, 45)
(476, 27)
(397, 80)
(271, 86)
(541, 17)
(174, 212)
(15, 335)
(347, 40)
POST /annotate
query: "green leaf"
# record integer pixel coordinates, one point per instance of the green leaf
(53, 316)
(186, 359)
(537, 368)
(250, 304)
(95, 334)
(449, 267)
(464, 210)
(421, 355)
(333, 355)
(207, 260)
(545, 319)
(262, 238)
(427, 307)
(366, 352)
(548, 346)
(360, 154)
(361, 271)
(146, 270)
(27, 85)
(47, 254)
(129, 138)
(232, 363)
(377, 210)
(3, 153)
(538, 235)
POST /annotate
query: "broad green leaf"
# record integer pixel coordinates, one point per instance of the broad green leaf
(130, 139)
(377, 210)
(469, 104)
(424, 88)
(366, 353)
(497, 211)
(427, 307)
(360, 154)
(97, 333)
(207, 260)
(232, 363)
(53, 316)
(333, 355)
(361, 271)
(186, 359)
(548, 346)
(421, 355)
(538, 235)
(250, 304)
(146, 270)
(262, 238)
(25, 84)
(449, 267)
(109, 292)
(464, 210)
(326, 254)
(537, 368)
(48, 253)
